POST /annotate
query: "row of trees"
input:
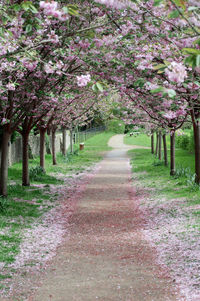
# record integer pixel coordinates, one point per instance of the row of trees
(153, 57)
(56, 57)
(44, 80)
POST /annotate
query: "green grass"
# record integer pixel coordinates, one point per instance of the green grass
(140, 140)
(94, 147)
(18, 211)
(153, 176)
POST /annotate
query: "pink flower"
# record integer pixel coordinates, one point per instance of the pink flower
(4, 121)
(53, 37)
(48, 68)
(170, 115)
(10, 86)
(176, 72)
(83, 80)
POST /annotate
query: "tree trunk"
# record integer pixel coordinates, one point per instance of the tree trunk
(165, 149)
(53, 138)
(159, 146)
(156, 152)
(42, 148)
(196, 128)
(4, 162)
(172, 153)
(25, 158)
(71, 141)
(152, 143)
(64, 146)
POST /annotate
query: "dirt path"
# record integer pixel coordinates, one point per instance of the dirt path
(106, 257)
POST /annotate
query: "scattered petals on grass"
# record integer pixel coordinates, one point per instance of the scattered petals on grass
(41, 240)
(172, 228)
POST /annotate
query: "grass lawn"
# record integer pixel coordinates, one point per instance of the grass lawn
(22, 208)
(171, 206)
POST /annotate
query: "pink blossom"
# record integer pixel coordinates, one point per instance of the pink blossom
(10, 86)
(4, 121)
(53, 37)
(83, 80)
(48, 68)
(170, 115)
(176, 72)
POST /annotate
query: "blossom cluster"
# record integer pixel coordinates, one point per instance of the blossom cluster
(51, 9)
(176, 72)
(83, 80)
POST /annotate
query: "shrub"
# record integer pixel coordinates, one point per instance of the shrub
(36, 172)
(186, 141)
(115, 126)
(183, 141)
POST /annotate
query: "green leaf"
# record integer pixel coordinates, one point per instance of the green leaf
(159, 66)
(157, 90)
(33, 9)
(65, 9)
(157, 2)
(198, 60)
(94, 88)
(191, 61)
(191, 51)
(29, 28)
(191, 8)
(174, 14)
(181, 3)
(197, 42)
(171, 93)
(73, 10)
(99, 86)
(16, 7)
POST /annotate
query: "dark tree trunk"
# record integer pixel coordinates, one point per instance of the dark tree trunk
(4, 162)
(165, 149)
(157, 141)
(25, 158)
(196, 128)
(64, 146)
(53, 137)
(71, 142)
(152, 143)
(159, 146)
(172, 153)
(42, 148)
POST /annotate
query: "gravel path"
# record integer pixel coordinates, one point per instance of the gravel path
(106, 257)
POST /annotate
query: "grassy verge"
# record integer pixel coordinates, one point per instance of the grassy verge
(140, 140)
(172, 208)
(22, 208)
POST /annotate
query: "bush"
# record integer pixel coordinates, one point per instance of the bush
(186, 141)
(36, 172)
(183, 141)
(115, 126)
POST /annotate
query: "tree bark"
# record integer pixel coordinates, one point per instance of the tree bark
(4, 162)
(42, 148)
(71, 142)
(152, 143)
(25, 160)
(172, 153)
(165, 149)
(64, 146)
(159, 146)
(53, 137)
(196, 128)
(156, 152)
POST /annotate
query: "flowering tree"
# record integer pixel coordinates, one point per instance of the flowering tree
(39, 59)
(153, 58)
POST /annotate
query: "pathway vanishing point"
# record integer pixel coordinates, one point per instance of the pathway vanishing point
(106, 257)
